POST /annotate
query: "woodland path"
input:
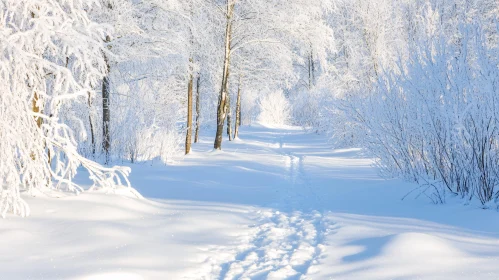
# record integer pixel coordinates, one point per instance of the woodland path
(333, 217)
(278, 203)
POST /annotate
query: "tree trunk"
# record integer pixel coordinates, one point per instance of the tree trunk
(311, 69)
(198, 110)
(190, 85)
(188, 137)
(106, 114)
(92, 134)
(36, 109)
(309, 73)
(222, 98)
(229, 118)
(238, 111)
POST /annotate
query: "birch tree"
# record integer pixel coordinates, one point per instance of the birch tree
(222, 98)
(252, 28)
(188, 31)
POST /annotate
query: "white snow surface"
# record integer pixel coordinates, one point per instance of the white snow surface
(278, 203)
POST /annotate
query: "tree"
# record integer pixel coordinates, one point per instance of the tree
(198, 110)
(37, 83)
(237, 123)
(106, 110)
(222, 98)
(183, 32)
(253, 28)
(188, 138)
(190, 74)
(120, 14)
(229, 117)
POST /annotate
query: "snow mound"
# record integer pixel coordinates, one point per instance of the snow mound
(48, 193)
(421, 247)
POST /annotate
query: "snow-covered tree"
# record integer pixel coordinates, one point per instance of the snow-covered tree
(433, 119)
(51, 57)
(263, 42)
(274, 109)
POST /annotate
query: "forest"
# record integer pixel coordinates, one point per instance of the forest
(93, 91)
(413, 82)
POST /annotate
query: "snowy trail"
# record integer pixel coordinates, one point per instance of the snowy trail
(275, 204)
(282, 246)
(278, 245)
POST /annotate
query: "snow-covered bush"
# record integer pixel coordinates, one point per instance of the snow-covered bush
(315, 110)
(50, 58)
(146, 113)
(437, 123)
(274, 109)
(305, 106)
(249, 107)
(154, 142)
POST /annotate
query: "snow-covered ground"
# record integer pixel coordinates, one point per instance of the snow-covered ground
(275, 204)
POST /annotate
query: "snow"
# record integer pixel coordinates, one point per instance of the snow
(276, 204)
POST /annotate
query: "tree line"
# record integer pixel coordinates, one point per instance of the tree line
(106, 80)
(411, 81)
